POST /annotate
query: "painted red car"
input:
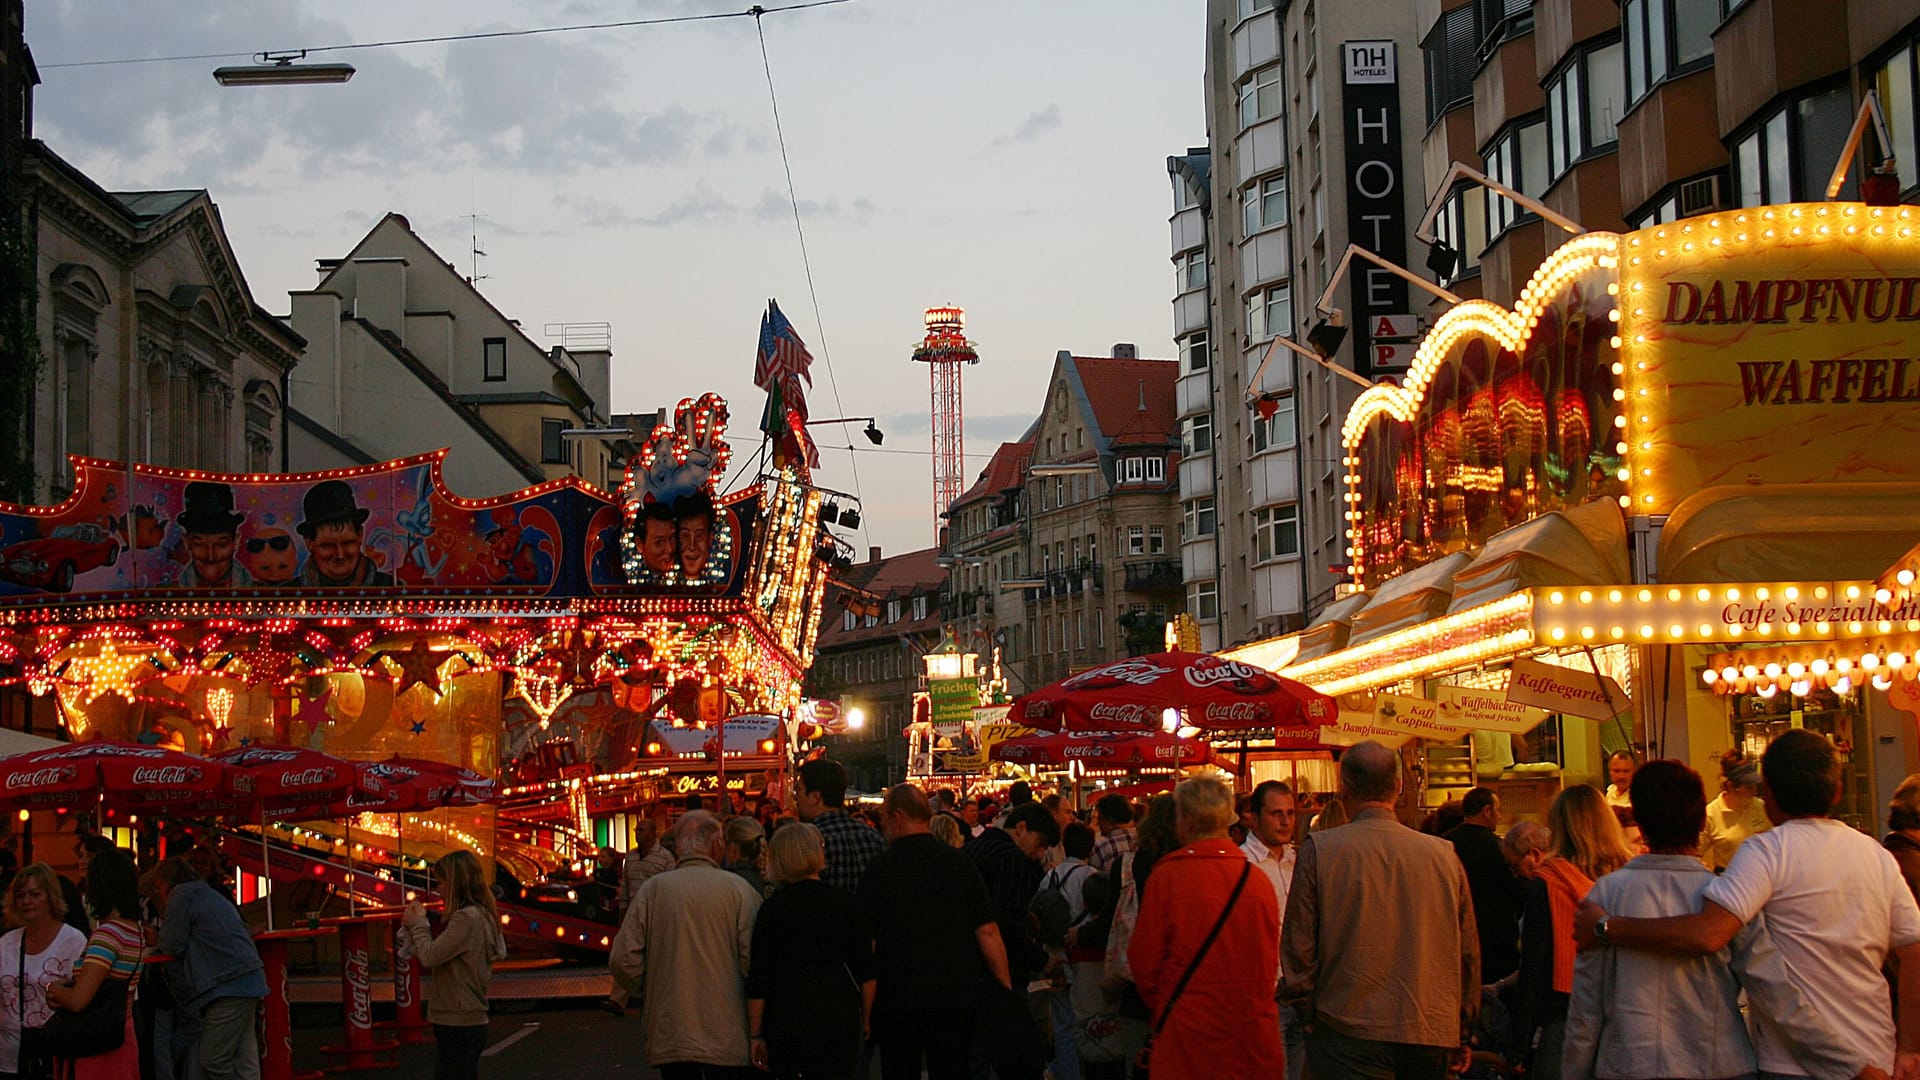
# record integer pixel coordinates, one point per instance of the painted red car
(54, 560)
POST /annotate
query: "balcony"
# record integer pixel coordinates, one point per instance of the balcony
(1153, 575)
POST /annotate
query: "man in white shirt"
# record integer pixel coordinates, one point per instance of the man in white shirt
(1836, 906)
(1269, 847)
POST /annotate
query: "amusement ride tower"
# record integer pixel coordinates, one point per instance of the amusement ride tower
(945, 350)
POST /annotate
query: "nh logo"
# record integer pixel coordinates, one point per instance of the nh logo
(1369, 61)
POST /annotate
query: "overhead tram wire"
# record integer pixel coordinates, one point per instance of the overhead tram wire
(793, 198)
(754, 12)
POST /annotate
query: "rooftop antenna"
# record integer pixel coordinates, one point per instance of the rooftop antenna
(473, 234)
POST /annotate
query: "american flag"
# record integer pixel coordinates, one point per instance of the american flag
(779, 368)
(782, 353)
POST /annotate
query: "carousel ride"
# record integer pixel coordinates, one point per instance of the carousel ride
(587, 652)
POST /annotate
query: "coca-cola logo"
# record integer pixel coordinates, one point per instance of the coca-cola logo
(51, 776)
(262, 755)
(1036, 710)
(360, 986)
(1109, 712)
(163, 775)
(313, 777)
(1238, 712)
(403, 978)
(1021, 753)
(1211, 673)
(1097, 750)
(1320, 710)
(1135, 672)
(100, 749)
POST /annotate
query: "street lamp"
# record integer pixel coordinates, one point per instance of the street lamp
(279, 69)
(871, 431)
(856, 719)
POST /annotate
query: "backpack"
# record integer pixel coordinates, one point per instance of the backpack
(1052, 912)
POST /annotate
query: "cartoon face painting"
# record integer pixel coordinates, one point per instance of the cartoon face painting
(270, 556)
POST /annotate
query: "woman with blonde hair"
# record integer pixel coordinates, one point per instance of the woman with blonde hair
(811, 978)
(41, 951)
(1587, 833)
(461, 960)
(947, 830)
(1587, 843)
(746, 839)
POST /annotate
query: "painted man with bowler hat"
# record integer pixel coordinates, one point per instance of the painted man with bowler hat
(331, 523)
(211, 526)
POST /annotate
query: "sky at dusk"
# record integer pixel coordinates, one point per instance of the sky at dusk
(1005, 155)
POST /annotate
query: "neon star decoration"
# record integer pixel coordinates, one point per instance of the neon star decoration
(313, 711)
(419, 664)
(107, 672)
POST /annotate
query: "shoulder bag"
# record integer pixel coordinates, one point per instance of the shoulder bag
(1146, 1052)
(35, 1057)
(101, 1027)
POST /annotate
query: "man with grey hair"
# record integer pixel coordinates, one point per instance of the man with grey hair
(1379, 951)
(682, 950)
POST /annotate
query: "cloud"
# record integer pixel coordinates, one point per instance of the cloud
(775, 206)
(546, 105)
(700, 206)
(997, 428)
(1033, 127)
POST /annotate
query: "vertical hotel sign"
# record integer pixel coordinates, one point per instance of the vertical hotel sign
(1376, 199)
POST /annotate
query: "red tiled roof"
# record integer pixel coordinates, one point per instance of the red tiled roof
(1004, 472)
(1116, 390)
(914, 573)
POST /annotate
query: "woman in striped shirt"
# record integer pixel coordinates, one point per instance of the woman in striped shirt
(114, 955)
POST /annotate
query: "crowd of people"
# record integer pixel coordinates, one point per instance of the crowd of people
(1639, 931)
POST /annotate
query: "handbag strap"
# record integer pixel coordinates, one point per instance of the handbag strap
(1219, 924)
(20, 984)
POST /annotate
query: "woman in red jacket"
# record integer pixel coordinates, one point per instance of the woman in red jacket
(1224, 1023)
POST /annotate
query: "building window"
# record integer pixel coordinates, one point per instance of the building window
(1196, 434)
(1787, 155)
(1518, 159)
(1190, 271)
(1156, 470)
(1156, 539)
(920, 606)
(494, 350)
(1502, 20)
(1203, 600)
(1452, 55)
(1279, 431)
(1264, 205)
(1184, 195)
(1276, 533)
(1897, 87)
(1132, 471)
(1584, 102)
(1270, 313)
(893, 611)
(1136, 540)
(1249, 8)
(848, 619)
(1194, 354)
(1196, 519)
(553, 445)
(1462, 226)
(1260, 96)
(1665, 38)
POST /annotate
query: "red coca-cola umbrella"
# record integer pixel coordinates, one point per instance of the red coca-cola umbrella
(122, 775)
(292, 781)
(1209, 692)
(1110, 748)
(401, 785)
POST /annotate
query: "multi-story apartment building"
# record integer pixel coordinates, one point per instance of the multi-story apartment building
(1642, 112)
(881, 616)
(407, 356)
(1312, 115)
(1064, 553)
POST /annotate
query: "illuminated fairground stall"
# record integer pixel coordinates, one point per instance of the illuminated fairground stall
(1648, 505)
(581, 647)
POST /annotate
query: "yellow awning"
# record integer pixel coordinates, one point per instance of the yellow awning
(1789, 532)
(1408, 600)
(1586, 545)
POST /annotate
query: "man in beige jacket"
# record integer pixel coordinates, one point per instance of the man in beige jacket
(682, 951)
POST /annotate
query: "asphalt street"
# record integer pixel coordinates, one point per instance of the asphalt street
(531, 1041)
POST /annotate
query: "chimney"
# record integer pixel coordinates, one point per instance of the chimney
(873, 554)
(1126, 351)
